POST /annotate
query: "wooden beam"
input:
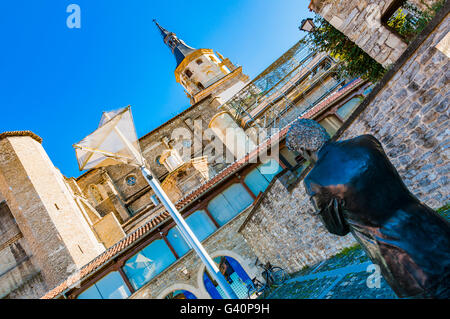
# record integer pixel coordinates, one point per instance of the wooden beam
(126, 280)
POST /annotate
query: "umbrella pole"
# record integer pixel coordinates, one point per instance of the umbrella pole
(189, 235)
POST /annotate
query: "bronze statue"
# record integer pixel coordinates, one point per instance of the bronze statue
(355, 188)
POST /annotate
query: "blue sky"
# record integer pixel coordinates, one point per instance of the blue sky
(56, 81)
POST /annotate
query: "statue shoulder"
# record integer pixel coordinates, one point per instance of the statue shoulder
(366, 140)
(368, 137)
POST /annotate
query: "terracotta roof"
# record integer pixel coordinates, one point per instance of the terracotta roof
(107, 255)
(21, 133)
(189, 198)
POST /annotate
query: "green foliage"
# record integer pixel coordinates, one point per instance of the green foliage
(346, 251)
(409, 21)
(356, 63)
(402, 24)
(443, 208)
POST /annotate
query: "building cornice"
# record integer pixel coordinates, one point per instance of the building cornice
(21, 133)
(207, 91)
(191, 57)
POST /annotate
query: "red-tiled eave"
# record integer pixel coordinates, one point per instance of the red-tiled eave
(106, 256)
(189, 198)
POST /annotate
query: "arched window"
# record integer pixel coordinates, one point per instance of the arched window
(199, 61)
(234, 274)
(180, 294)
(229, 203)
(346, 110)
(201, 225)
(148, 263)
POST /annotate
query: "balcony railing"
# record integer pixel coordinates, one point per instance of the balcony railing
(293, 84)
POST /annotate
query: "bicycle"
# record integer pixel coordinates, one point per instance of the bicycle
(273, 276)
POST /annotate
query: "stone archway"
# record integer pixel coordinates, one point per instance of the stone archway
(195, 291)
(240, 272)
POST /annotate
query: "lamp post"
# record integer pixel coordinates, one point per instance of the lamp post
(307, 25)
(188, 235)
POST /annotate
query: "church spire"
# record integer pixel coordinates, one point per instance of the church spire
(179, 49)
(163, 31)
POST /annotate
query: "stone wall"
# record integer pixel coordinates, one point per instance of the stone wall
(410, 117)
(408, 113)
(57, 236)
(108, 230)
(281, 230)
(19, 277)
(360, 21)
(34, 287)
(226, 241)
(423, 4)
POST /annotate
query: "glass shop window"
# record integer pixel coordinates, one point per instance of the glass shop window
(256, 181)
(229, 203)
(289, 156)
(148, 263)
(347, 109)
(111, 286)
(238, 197)
(331, 124)
(259, 178)
(201, 225)
(270, 169)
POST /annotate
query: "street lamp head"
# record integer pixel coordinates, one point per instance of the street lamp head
(307, 25)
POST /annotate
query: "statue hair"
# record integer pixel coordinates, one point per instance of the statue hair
(306, 134)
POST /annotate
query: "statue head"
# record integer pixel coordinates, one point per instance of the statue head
(306, 137)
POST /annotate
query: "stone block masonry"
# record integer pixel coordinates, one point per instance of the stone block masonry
(407, 111)
(281, 230)
(58, 238)
(409, 114)
(360, 21)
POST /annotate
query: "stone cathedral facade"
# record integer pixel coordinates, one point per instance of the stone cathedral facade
(105, 235)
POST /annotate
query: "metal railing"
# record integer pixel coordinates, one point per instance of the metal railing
(293, 84)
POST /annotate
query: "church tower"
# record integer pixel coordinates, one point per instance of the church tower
(202, 72)
(50, 230)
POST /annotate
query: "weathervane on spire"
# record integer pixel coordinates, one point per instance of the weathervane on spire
(176, 45)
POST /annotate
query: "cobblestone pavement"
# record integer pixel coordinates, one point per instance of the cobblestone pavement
(343, 276)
